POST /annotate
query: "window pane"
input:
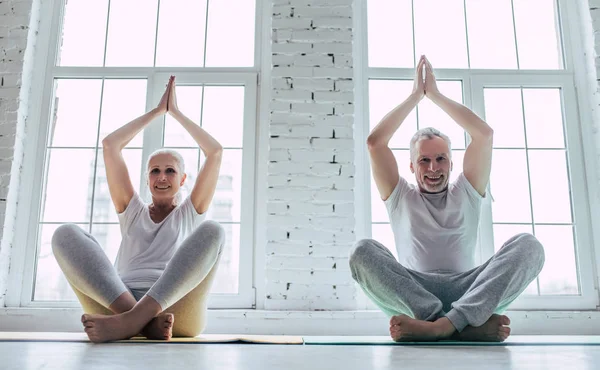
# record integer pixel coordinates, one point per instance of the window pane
(223, 114)
(504, 113)
(491, 34)
(122, 102)
(181, 33)
(131, 44)
(225, 48)
(104, 209)
(537, 34)
(430, 115)
(543, 118)
(76, 122)
(390, 23)
(440, 32)
(502, 233)
(226, 204)
(383, 233)
(84, 30)
(189, 101)
(385, 95)
(50, 282)
(228, 273)
(510, 186)
(68, 185)
(559, 275)
(109, 237)
(550, 186)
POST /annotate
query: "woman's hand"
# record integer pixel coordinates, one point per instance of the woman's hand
(172, 103)
(163, 104)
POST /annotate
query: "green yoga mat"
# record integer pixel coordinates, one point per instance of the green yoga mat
(513, 340)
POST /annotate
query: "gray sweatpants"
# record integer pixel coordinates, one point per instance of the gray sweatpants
(466, 298)
(183, 286)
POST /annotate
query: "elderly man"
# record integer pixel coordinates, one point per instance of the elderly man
(436, 291)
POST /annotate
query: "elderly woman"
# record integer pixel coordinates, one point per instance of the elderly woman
(168, 256)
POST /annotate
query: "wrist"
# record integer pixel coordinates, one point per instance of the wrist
(415, 97)
(434, 95)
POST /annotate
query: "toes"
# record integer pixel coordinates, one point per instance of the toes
(504, 320)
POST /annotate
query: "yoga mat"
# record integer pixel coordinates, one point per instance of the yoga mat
(204, 338)
(513, 340)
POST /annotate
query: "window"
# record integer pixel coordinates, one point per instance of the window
(506, 60)
(104, 74)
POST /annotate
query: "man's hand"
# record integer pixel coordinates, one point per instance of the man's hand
(431, 88)
(419, 84)
(172, 106)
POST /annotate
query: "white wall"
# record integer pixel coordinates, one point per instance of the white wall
(19, 23)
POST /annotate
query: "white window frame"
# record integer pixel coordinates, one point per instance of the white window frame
(474, 80)
(21, 278)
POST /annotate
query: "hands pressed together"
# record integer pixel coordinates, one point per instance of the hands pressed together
(425, 85)
(168, 102)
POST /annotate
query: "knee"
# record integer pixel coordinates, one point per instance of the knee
(214, 232)
(529, 250)
(62, 235)
(360, 252)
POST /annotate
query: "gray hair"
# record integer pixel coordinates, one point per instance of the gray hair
(173, 153)
(427, 133)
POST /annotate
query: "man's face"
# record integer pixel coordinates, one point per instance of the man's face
(432, 165)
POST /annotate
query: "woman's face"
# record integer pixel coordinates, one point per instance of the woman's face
(164, 176)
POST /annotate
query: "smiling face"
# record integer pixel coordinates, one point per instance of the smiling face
(164, 176)
(432, 164)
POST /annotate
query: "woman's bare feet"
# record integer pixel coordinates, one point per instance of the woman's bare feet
(494, 330)
(101, 328)
(406, 329)
(160, 328)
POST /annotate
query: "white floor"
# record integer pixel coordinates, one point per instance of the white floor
(77, 356)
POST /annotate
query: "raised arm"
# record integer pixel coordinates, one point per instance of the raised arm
(206, 182)
(119, 182)
(383, 162)
(477, 163)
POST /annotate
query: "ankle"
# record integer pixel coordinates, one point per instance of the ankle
(444, 327)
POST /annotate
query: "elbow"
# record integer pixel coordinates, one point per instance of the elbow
(373, 142)
(217, 151)
(486, 134)
(107, 143)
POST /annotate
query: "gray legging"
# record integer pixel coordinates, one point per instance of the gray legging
(465, 298)
(182, 289)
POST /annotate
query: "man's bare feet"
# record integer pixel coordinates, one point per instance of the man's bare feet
(406, 329)
(494, 330)
(160, 328)
(101, 328)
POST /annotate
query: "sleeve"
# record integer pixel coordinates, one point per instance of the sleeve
(401, 189)
(134, 209)
(471, 193)
(189, 213)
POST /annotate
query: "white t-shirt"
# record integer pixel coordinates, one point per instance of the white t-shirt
(435, 232)
(147, 247)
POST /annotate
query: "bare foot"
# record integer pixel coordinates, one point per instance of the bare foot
(406, 329)
(160, 328)
(494, 330)
(101, 328)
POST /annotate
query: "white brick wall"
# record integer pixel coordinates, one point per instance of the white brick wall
(311, 169)
(18, 33)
